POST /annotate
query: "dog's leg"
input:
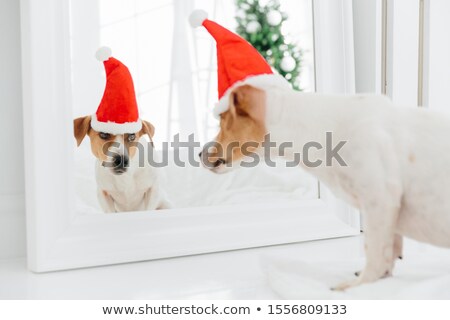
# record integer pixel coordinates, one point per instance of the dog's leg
(381, 240)
(398, 246)
(378, 185)
(152, 198)
(398, 250)
(106, 202)
(379, 245)
(164, 204)
(155, 199)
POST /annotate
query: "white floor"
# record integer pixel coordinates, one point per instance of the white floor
(227, 275)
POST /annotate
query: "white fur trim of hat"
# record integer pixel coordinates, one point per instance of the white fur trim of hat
(115, 128)
(261, 81)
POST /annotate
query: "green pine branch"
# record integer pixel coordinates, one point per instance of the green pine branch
(268, 39)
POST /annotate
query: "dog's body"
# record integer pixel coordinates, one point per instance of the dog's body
(397, 159)
(125, 180)
(138, 189)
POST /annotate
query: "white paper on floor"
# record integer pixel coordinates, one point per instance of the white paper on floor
(419, 276)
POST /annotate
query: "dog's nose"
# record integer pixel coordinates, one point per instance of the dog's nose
(218, 162)
(126, 161)
(121, 162)
(200, 154)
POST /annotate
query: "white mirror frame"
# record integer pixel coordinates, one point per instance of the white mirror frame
(58, 238)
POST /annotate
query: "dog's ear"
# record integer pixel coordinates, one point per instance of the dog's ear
(247, 101)
(148, 128)
(81, 127)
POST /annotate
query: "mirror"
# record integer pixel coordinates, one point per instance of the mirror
(174, 71)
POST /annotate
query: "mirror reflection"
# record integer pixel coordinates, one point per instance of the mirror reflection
(146, 90)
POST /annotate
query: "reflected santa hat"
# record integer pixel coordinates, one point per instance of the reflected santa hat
(238, 62)
(118, 111)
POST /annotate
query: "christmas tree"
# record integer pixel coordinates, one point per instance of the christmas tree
(260, 23)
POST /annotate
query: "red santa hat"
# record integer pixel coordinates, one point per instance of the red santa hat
(238, 62)
(118, 111)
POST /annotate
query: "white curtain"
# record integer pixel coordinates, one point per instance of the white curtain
(173, 66)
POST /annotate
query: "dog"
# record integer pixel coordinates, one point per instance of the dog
(122, 183)
(397, 161)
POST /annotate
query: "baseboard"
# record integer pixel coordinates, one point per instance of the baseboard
(12, 226)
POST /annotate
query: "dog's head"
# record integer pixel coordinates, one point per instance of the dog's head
(114, 151)
(242, 130)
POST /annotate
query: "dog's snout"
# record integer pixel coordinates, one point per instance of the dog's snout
(120, 163)
(117, 160)
(218, 162)
(211, 158)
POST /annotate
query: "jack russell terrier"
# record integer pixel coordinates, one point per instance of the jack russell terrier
(397, 159)
(123, 183)
(125, 179)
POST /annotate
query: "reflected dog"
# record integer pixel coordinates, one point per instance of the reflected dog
(122, 183)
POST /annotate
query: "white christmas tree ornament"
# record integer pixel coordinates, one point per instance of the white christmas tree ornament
(287, 64)
(253, 27)
(274, 18)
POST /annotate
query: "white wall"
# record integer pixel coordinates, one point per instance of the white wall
(12, 213)
(403, 48)
(439, 56)
(367, 44)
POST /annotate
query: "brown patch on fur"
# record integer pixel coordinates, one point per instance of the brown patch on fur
(81, 127)
(148, 129)
(99, 146)
(412, 157)
(243, 122)
(105, 193)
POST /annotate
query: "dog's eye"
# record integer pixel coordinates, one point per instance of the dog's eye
(104, 136)
(131, 137)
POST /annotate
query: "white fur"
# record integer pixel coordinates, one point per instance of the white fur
(398, 166)
(115, 128)
(197, 17)
(138, 189)
(103, 53)
(260, 81)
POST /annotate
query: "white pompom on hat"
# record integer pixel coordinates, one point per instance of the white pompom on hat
(197, 17)
(103, 53)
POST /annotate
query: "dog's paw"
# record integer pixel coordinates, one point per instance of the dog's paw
(360, 280)
(386, 275)
(347, 285)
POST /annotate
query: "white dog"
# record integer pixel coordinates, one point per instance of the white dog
(125, 180)
(397, 161)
